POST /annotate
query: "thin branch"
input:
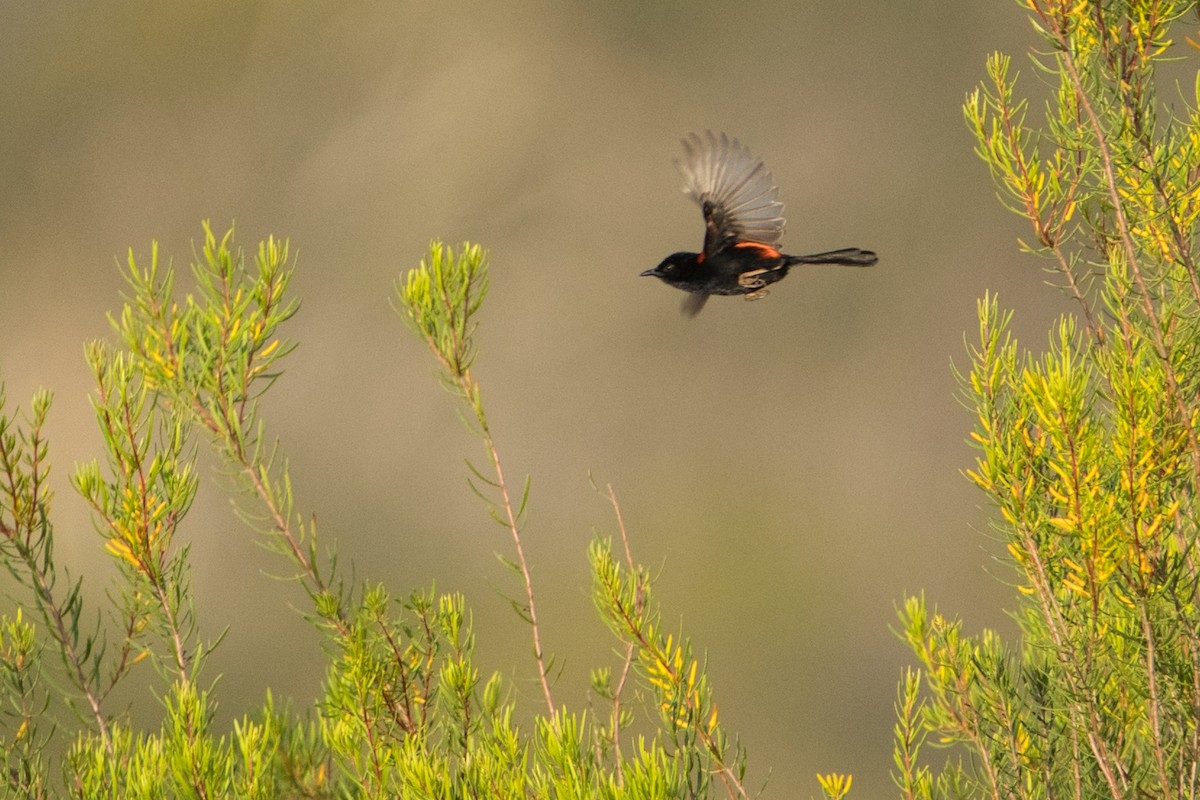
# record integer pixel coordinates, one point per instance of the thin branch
(33, 556)
(630, 650)
(471, 391)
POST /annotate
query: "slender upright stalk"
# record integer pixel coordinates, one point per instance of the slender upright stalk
(439, 299)
(514, 527)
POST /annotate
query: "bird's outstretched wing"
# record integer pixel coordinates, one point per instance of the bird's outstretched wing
(735, 190)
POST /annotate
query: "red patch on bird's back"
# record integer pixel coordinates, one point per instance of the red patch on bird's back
(762, 250)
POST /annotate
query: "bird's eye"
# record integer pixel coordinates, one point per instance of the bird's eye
(668, 267)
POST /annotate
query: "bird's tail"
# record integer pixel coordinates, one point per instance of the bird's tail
(846, 257)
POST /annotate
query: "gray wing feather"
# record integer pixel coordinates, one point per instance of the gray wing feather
(737, 193)
(692, 303)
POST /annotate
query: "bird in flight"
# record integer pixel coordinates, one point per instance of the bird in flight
(743, 227)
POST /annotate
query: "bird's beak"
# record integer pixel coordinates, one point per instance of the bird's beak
(650, 273)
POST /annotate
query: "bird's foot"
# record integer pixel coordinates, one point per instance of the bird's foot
(755, 295)
(753, 279)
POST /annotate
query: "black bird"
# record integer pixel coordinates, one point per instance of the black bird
(743, 227)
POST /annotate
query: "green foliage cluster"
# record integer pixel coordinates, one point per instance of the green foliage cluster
(404, 710)
(1090, 451)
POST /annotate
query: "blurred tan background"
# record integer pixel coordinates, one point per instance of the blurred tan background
(790, 467)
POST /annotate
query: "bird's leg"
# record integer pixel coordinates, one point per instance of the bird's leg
(753, 279)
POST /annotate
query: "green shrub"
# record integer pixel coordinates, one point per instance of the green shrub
(404, 711)
(1089, 452)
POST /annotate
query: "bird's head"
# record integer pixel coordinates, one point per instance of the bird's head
(674, 268)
